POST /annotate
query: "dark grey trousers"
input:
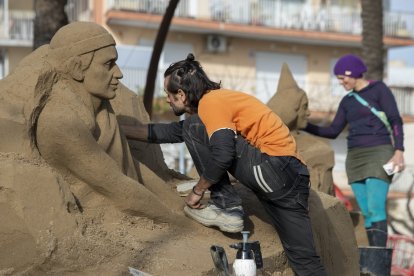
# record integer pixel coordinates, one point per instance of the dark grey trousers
(280, 182)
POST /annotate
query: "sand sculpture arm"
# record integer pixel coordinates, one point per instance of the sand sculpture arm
(65, 141)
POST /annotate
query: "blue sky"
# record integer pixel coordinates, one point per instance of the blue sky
(404, 53)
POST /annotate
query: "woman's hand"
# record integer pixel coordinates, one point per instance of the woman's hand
(398, 161)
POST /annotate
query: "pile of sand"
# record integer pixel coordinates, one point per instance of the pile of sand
(44, 232)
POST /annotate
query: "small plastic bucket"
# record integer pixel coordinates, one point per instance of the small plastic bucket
(375, 260)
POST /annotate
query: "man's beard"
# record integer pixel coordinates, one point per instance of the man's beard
(178, 112)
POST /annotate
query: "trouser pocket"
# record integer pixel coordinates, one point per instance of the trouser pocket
(273, 178)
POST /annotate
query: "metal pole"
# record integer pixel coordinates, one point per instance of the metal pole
(181, 157)
(6, 18)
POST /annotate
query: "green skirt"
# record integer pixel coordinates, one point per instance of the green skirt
(362, 163)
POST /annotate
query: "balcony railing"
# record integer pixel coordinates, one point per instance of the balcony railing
(18, 27)
(405, 99)
(275, 14)
(78, 10)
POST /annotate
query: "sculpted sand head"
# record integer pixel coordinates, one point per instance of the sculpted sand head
(79, 38)
(86, 52)
(290, 102)
(101, 79)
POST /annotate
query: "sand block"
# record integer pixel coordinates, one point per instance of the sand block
(36, 209)
(333, 233)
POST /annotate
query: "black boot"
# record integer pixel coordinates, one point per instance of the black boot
(379, 233)
(370, 236)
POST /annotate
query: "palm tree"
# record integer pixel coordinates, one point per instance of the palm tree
(156, 53)
(372, 38)
(50, 16)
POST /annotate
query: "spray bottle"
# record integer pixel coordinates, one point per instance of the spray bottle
(248, 257)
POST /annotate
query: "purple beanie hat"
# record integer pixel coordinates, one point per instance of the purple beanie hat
(351, 66)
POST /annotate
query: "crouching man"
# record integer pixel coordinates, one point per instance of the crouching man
(229, 131)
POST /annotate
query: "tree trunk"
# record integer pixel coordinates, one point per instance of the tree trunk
(50, 16)
(372, 38)
(156, 53)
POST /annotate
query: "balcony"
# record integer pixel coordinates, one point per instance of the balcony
(16, 28)
(342, 24)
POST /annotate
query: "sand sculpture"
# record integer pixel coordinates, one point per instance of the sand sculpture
(72, 124)
(291, 103)
(77, 198)
(62, 150)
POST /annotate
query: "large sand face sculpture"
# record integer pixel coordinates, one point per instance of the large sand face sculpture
(291, 103)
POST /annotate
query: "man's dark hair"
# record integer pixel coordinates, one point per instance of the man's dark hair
(189, 76)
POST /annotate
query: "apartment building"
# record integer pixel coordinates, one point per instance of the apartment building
(240, 43)
(244, 43)
(16, 33)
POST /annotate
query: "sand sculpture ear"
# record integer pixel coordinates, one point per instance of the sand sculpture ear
(74, 68)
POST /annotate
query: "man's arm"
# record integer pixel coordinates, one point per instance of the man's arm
(137, 132)
(155, 133)
(222, 156)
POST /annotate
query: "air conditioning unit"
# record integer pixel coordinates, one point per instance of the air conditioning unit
(216, 43)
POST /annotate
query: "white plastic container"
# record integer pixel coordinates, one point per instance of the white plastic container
(244, 267)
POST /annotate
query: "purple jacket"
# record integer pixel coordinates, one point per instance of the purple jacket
(365, 129)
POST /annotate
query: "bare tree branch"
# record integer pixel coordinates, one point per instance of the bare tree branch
(156, 53)
(50, 17)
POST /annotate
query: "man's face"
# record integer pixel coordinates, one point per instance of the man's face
(176, 101)
(102, 77)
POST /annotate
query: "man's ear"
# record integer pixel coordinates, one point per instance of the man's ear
(181, 94)
(74, 68)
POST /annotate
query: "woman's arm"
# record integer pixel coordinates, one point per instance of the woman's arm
(332, 131)
(388, 104)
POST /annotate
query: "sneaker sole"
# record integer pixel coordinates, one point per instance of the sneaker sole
(230, 228)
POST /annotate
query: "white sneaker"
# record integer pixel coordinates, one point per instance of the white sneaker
(227, 220)
(184, 189)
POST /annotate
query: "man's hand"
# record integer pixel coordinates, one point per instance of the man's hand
(193, 201)
(194, 198)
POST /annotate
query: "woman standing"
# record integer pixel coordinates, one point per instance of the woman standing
(370, 143)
